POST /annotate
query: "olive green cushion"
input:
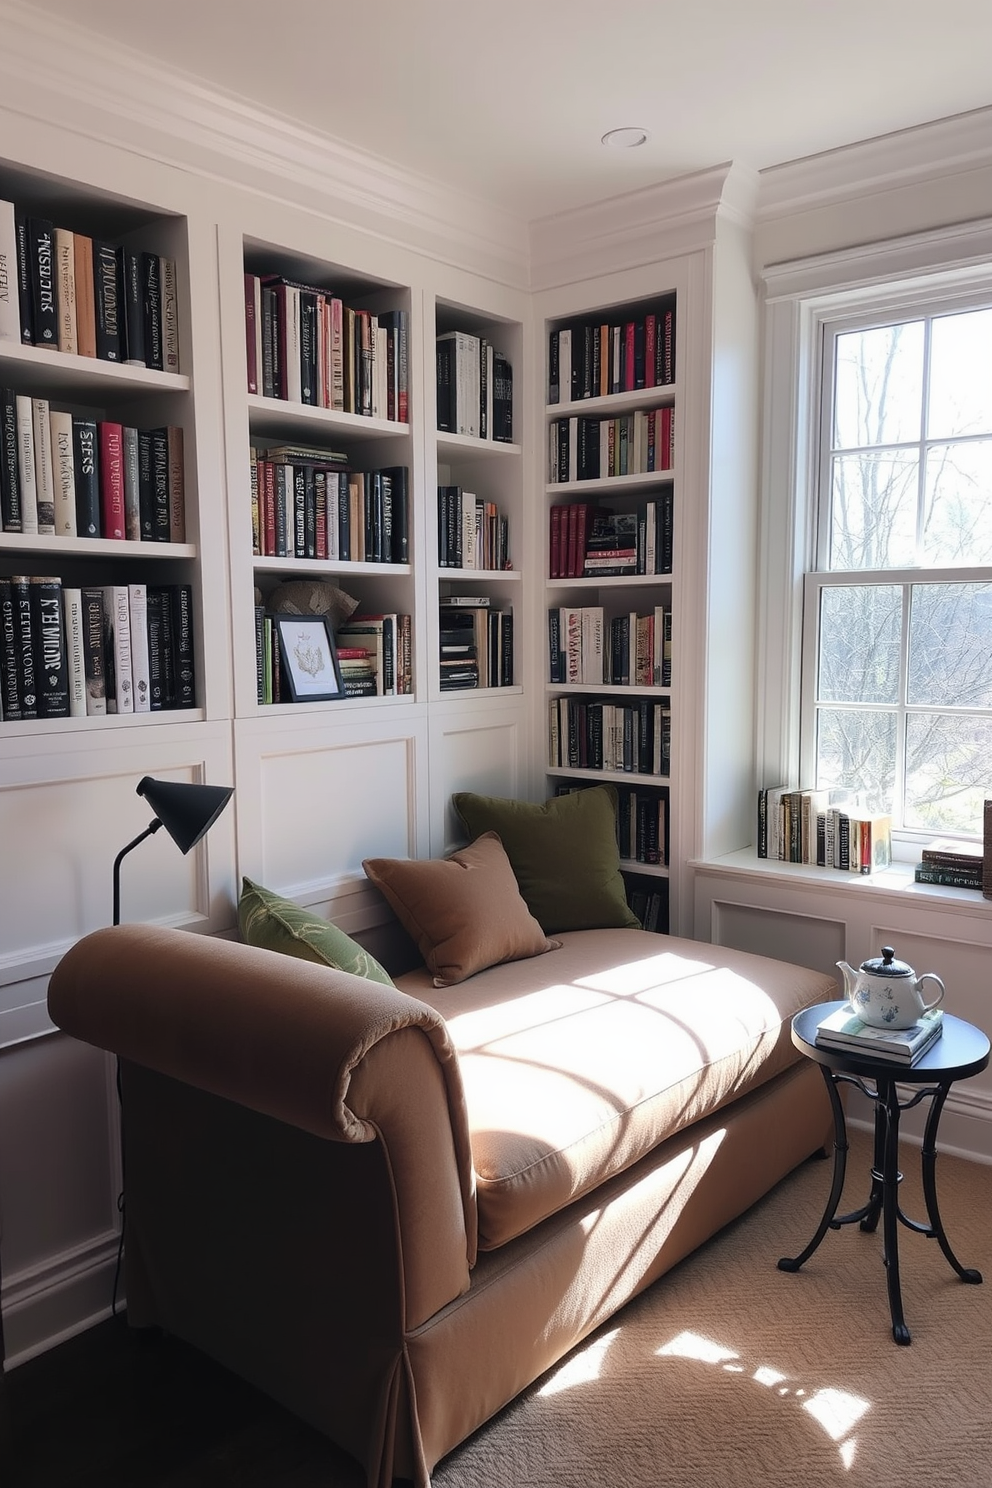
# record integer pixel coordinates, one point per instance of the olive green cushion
(276, 924)
(564, 855)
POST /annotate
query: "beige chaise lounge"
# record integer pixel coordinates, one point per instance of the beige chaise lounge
(392, 1208)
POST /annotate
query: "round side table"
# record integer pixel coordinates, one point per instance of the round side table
(961, 1051)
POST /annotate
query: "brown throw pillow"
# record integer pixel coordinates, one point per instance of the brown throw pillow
(464, 912)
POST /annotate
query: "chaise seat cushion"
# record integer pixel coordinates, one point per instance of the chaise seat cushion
(575, 1065)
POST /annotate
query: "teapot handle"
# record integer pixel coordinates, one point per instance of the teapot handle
(933, 977)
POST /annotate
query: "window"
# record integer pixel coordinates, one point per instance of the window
(896, 657)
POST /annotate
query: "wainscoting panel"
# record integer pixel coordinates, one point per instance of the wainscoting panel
(482, 751)
(804, 939)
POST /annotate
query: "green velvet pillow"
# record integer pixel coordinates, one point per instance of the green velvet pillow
(276, 924)
(564, 855)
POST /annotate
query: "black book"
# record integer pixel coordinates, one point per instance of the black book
(132, 319)
(86, 472)
(269, 375)
(445, 411)
(108, 301)
(10, 693)
(308, 348)
(554, 389)
(161, 519)
(310, 511)
(10, 484)
(151, 274)
(157, 680)
(27, 680)
(502, 399)
(183, 663)
(51, 663)
(44, 304)
(24, 279)
(399, 477)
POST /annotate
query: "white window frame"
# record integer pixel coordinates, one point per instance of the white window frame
(951, 268)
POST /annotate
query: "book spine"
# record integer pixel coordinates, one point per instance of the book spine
(170, 315)
(65, 269)
(177, 483)
(10, 485)
(27, 680)
(10, 695)
(137, 595)
(64, 473)
(25, 463)
(251, 352)
(75, 651)
(48, 623)
(109, 303)
(184, 665)
(94, 655)
(161, 521)
(111, 440)
(44, 302)
(10, 311)
(132, 484)
(86, 462)
(157, 697)
(151, 284)
(44, 469)
(82, 251)
(118, 596)
(132, 318)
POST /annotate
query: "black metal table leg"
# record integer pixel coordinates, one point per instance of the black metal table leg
(888, 1102)
(936, 1230)
(792, 1263)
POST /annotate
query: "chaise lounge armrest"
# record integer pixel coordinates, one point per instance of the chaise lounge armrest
(336, 1055)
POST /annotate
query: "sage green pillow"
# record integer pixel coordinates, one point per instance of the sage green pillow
(276, 924)
(564, 855)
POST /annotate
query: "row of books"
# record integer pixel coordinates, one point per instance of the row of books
(305, 345)
(629, 650)
(591, 734)
(81, 652)
(843, 1030)
(305, 503)
(952, 863)
(65, 476)
(650, 906)
(598, 359)
(822, 827)
(636, 443)
(474, 387)
(641, 825)
(374, 656)
(589, 541)
(475, 643)
(471, 533)
(86, 296)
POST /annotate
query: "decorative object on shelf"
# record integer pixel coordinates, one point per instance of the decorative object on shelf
(309, 658)
(312, 597)
(186, 810)
(886, 993)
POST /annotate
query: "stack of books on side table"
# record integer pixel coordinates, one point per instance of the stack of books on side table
(844, 1031)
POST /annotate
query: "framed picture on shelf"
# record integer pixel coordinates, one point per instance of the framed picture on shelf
(309, 658)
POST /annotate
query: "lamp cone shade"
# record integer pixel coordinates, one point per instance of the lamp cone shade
(186, 811)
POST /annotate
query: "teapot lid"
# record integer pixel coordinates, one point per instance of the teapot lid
(886, 965)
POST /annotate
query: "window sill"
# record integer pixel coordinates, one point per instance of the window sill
(896, 882)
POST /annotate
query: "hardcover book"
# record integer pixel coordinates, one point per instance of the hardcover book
(108, 302)
(86, 468)
(10, 314)
(48, 625)
(65, 269)
(44, 305)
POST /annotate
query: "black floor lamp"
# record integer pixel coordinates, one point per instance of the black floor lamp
(187, 812)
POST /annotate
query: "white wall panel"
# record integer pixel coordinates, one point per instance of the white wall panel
(483, 751)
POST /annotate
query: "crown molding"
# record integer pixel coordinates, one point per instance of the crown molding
(61, 73)
(640, 227)
(909, 157)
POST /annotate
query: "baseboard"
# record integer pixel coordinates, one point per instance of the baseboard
(51, 1302)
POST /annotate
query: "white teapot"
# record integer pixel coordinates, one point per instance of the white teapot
(886, 992)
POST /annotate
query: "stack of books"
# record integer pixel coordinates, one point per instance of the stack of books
(955, 863)
(845, 1031)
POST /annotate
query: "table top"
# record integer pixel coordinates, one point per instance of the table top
(960, 1051)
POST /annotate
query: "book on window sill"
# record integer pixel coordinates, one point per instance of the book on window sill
(843, 1030)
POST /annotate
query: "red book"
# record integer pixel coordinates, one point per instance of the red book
(111, 437)
(582, 519)
(554, 565)
(572, 566)
(650, 349)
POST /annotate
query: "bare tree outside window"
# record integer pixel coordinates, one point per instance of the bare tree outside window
(902, 677)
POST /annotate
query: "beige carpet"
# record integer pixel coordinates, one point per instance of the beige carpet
(731, 1373)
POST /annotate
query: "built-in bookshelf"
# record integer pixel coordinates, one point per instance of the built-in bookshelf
(331, 507)
(101, 597)
(611, 514)
(478, 533)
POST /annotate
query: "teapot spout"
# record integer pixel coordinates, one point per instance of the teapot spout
(850, 978)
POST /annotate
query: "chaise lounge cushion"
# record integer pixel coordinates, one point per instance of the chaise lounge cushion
(576, 1066)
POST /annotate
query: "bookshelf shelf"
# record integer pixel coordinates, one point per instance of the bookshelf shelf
(272, 417)
(613, 404)
(32, 367)
(453, 445)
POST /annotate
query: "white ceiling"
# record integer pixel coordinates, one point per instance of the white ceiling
(507, 100)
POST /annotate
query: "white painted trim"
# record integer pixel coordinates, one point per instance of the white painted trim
(45, 1304)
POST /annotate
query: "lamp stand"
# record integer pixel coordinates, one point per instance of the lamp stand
(152, 827)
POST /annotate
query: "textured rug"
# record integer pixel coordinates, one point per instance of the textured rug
(730, 1372)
